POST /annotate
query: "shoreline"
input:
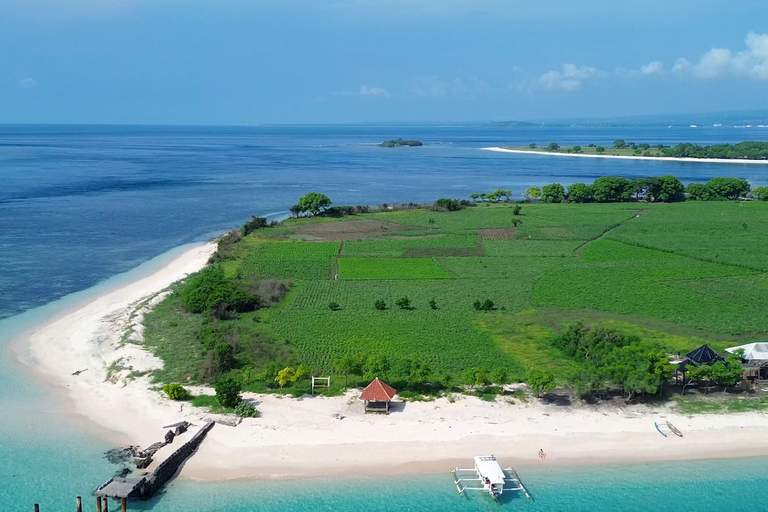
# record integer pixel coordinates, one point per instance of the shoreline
(629, 157)
(333, 432)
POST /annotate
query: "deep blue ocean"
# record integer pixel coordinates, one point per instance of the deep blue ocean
(80, 206)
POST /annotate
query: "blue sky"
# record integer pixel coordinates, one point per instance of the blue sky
(336, 61)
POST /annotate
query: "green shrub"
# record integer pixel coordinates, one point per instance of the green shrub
(403, 303)
(228, 392)
(210, 291)
(380, 304)
(246, 410)
(579, 193)
(175, 391)
(334, 306)
(253, 224)
(553, 193)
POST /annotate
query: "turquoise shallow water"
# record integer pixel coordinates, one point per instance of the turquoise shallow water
(691, 486)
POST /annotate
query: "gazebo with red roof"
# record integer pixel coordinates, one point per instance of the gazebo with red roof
(377, 396)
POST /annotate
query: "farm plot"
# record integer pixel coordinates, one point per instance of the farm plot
(497, 233)
(449, 342)
(749, 290)
(290, 260)
(647, 287)
(523, 269)
(543, 248)
(449, 294)
(718, 231)
(391, 268)
(348, 229)
(580, 221)
(388, 247)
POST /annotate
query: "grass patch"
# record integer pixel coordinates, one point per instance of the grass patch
(688, 405)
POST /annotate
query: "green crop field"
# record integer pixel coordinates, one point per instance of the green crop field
(676, 275)
(391, 268)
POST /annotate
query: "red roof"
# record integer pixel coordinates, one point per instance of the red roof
(378, 391)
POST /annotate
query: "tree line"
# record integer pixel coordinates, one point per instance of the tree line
(608, 358)
(616, 189)
(746, 150)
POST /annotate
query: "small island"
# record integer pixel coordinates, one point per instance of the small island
(743, 151)
(400, 142)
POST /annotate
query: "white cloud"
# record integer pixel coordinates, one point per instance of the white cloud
(26, 83)
(751, 62)
(682, 66)
(570, 78)
(373, 92)
(652, 68)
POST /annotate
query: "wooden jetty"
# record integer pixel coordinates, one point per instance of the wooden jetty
(102, 505)
(146, 486)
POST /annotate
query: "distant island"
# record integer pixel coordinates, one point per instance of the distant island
(395, 143)
(512, 124)
(620, 148)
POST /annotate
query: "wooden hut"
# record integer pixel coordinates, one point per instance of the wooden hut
(377, 396)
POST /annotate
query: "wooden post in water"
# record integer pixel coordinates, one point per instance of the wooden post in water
(79, 500)
(98, 503)
(106, 504)
(37, 507)
(125, 505)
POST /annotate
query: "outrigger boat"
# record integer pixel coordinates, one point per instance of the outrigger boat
(491, 477)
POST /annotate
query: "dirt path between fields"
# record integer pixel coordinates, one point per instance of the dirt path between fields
(577, 251)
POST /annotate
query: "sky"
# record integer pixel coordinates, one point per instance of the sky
(248, 62)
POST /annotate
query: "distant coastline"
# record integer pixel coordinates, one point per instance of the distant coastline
(628, 157)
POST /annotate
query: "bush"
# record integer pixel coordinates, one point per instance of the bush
(403, 303)
(175, 391)
(432, 303)
(611, 189)
(553, 193)
(334, 306)
(227, 392)
(380, 304)
(448, 205)
(486, 305)
(516, 209)
(699, 192)
(210, 290)
(340, 211)
(246, 410)
(253, 224)
(728, 188)
(579, 193)
(665, 189)
(761, 193)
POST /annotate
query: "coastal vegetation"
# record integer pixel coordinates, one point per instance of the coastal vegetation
(589, 287)
(742, 151)
(400, 142)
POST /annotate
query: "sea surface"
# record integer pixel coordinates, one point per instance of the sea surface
(85, 208)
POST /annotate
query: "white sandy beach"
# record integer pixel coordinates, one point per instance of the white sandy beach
(663, 158)
(331, 436)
